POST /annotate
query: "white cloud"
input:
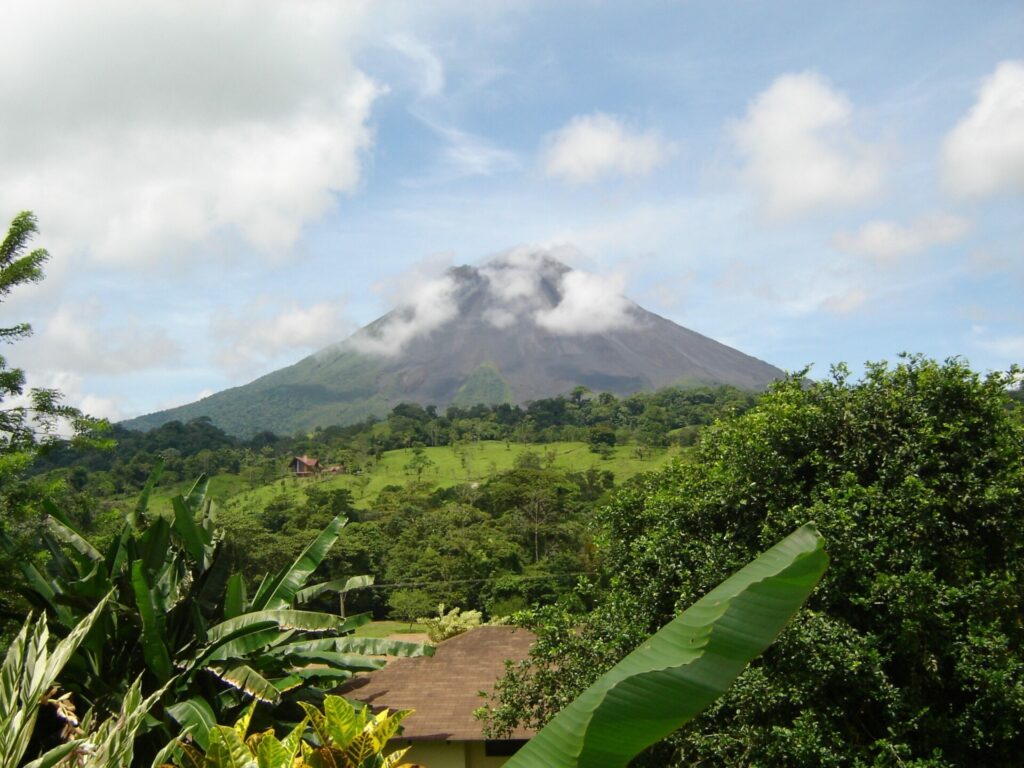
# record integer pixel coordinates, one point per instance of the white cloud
(423, 299)
(81, 338)
(165, 124)
(589, 147)
(887, 241)
(589, 304)
(800, 154)
(262, 334)
(984, 154)
(71, 387)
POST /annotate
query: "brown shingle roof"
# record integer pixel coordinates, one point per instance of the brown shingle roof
(444, 688)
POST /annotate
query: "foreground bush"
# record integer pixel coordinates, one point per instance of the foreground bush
(912, 650)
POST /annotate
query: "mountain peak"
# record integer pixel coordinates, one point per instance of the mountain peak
(521, 326)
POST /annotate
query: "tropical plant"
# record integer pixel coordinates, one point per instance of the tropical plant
(183, 621)
(683, 667)
(342, 737)
(446, 625)
(28, 682)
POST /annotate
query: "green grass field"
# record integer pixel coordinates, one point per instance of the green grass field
(388, 628)
(450, 465)
(454, 466)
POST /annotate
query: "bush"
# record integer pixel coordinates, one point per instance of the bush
(450, 624)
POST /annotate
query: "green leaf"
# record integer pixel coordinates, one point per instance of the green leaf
(340, 586)
(247, 679)
(281, 591)
(242, 644)
(61, 527)
(234, 596)
(154, 545)
(196, 495)
(683, 667)
(271, 753)
(197, 714)
(139, 513)
(227, 750)
(153, 648)
(214, 581)
(185, 526)
(285, 619)
(55, 755)
(340, 660)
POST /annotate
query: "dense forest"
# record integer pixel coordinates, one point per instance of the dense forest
(515, 538)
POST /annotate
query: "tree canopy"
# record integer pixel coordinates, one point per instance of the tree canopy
(910, 651)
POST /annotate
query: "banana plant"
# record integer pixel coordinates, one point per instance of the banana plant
(28, 681)
(179, 617)
(684, 666)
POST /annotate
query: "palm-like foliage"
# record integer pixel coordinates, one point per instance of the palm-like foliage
(180, 618)
(27, 682)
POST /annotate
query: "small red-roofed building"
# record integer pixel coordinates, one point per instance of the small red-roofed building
(444, 690)
(305, 466)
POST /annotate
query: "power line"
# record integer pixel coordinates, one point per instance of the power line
(512, 577)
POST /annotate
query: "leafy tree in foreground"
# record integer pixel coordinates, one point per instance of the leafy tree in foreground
(911, 652)
(28, 421)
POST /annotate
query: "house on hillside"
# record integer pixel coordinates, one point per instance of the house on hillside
(444, 690)
(305, 466)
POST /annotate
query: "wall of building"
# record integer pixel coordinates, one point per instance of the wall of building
(449, 754)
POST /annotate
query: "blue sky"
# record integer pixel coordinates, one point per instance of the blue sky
(225, 188)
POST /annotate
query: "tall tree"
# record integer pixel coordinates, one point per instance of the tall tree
(30, 421)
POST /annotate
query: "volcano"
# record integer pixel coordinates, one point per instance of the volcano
(520, 327)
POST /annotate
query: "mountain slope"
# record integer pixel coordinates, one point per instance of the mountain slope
(519, 328)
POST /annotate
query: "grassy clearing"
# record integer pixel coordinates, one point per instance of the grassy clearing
(388, 628)
(451, 465)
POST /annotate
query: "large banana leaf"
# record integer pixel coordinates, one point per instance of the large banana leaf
(340, 586)
(197, 715)
(137, 516)
(285, 619)
(153, 648)
(281, 590)
(683, 667)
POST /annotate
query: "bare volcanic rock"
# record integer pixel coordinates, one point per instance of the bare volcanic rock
(521, 327)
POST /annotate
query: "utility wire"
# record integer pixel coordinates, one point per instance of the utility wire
(514, 577)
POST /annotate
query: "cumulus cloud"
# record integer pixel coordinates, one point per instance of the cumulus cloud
(81, 338)
(590, 147)
(887, 241)
(531, 284)
(263, 333)
(162, 125)
(590, 304)
(428, 306)
(799, 151)
(984, 154)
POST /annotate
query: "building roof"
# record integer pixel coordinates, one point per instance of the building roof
(309, 461)
(444, 689)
